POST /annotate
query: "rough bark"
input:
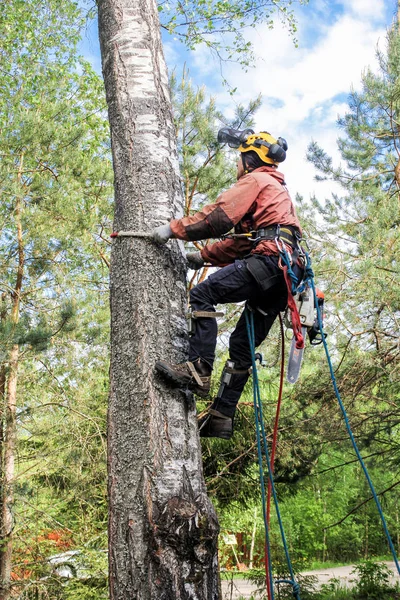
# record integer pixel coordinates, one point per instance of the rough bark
(162, 527)
(10, 422)
(3, 381)
(8, 477)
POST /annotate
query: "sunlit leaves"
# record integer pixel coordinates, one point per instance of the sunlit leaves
(221, 25)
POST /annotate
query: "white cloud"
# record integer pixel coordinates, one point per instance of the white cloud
(308, 81)
(363, 9)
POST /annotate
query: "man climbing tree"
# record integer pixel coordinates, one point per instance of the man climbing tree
(257, 203)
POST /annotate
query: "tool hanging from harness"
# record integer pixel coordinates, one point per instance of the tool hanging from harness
(301, 312)
(307, 311)
(300, 315)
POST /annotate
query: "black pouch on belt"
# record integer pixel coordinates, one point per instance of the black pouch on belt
(265, 270)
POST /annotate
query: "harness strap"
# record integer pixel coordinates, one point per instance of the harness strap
(238, 371)
(194, 373)
(286, 234)
(200, 314)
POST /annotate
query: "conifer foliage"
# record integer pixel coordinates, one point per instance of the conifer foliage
(55, 182)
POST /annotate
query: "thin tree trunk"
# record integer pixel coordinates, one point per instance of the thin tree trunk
(10, 433)
(8, 478)
(253, 539)
(3, 375)
(3, 413)
(162, 528)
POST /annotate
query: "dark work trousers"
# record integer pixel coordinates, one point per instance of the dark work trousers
(235, 283)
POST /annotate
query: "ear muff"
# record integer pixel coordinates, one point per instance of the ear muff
(277, 153)
(269, 149)
(282, 142)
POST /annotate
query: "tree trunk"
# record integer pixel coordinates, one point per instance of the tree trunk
(253, 539)
(3, 382)
(162, 528)
(8, 476)
(10, 422)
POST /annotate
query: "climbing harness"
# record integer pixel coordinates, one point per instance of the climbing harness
(263, 453)
(286, 234)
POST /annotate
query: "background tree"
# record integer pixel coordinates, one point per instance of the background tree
(220, 26)
(54, 179)
(361, 238)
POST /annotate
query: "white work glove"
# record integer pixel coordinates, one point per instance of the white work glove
(162, 233)
(194, 260)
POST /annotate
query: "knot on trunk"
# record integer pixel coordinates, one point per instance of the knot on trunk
(187, 525)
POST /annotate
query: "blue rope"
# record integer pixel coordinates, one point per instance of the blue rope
(348, 426)
(259, 450)
(296, 587)
(260, 425)
(288, 263)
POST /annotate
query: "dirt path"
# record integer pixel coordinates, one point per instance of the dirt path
(240, 588)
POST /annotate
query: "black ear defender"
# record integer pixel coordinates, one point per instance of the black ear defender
(282, 142)
(276, 152)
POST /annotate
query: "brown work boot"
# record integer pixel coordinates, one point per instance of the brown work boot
(215, 424)
(195, 375)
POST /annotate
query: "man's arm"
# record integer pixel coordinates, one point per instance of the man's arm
(216, 219)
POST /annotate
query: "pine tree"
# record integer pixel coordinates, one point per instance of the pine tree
(361, 228)
(55, 180)
(357, 248)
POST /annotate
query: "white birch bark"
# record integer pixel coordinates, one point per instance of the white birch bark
(162, 527)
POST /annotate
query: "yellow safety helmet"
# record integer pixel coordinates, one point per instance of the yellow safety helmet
(269, 149)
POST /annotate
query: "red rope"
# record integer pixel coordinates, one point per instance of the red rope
(296, 324)
(273, 449)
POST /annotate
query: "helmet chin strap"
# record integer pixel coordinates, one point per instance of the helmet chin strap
(245, 168)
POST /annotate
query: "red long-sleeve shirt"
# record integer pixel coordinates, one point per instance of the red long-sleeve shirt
(259, 199)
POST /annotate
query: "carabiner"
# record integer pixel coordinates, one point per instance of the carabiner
(282, 250)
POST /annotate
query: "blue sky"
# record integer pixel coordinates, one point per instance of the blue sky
(304, 89)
